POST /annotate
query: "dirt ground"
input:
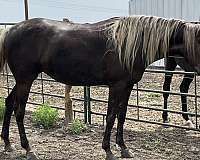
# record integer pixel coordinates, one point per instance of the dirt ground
(145, 141)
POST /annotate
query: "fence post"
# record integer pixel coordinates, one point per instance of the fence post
(137, 101)
(195, 91)
(85, 104)
(68, 105)
(89, 105)
(42, 83)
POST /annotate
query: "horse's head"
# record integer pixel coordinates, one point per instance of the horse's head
(192, 43)
(197, 50)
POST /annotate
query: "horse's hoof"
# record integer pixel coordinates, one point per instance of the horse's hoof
(9, 148)
(189, 124)
(31, 156)
(125, 153)
(111, 157)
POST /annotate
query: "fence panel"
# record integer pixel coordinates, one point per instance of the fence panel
(86, 98)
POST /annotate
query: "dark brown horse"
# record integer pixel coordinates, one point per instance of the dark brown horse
(170, 65)
(114, 52)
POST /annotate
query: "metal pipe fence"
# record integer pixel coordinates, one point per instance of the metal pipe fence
(138, 107)
(87, 98)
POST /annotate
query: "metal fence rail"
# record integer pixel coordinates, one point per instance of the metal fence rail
(87, 98)
(137, 89)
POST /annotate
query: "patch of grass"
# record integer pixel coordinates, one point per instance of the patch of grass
(2, 109)
(77, 127)
(152, 144)
(45, 116)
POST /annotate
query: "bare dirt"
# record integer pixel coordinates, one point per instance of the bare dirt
(145, 141)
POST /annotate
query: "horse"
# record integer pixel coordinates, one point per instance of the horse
(170, 65)
(114, 52)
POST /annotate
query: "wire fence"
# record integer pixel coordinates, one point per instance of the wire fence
(85, 96)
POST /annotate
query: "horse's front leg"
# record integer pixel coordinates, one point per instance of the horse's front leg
(125, 153)
(184, 87)
(116, 95)
(110, 119)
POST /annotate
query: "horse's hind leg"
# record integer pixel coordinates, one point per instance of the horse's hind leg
(188, 78)
(170, 66)
(7, 116)
(22, 92)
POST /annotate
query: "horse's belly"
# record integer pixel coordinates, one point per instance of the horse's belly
(77, 73)
(78, 78)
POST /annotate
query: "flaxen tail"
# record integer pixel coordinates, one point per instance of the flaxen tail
(3, 33)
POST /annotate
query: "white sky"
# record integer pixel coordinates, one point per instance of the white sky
(76, 10)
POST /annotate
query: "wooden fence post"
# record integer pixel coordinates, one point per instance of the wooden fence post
(68, 101)
(68, 105)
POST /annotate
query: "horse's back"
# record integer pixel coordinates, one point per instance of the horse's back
(70, 53)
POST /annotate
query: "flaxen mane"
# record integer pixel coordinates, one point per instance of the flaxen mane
(192, 44)
(143, 35)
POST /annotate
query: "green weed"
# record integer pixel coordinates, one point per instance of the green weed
(2, 108)
(45, 116)
(77, 127)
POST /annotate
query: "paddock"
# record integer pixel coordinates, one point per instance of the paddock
(144, 131)
(146, 139)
